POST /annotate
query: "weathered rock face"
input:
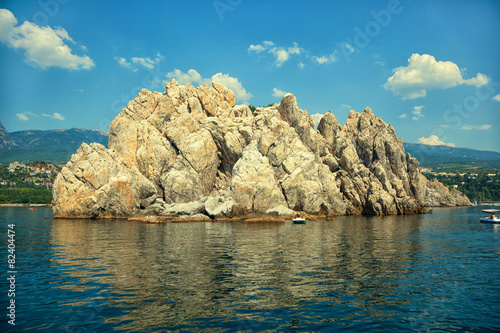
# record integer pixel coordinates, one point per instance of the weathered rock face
(96, 183)
(439, 195)
(193, 151)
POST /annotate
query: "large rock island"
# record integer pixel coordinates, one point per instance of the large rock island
(193, 152)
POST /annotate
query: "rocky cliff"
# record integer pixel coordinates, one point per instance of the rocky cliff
(192, 151)
(5, 140)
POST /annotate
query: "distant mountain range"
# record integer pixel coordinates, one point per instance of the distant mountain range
(54, 146)
(57, 146)
(430, 155)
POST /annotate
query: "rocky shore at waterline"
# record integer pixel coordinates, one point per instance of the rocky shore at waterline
(192, 152)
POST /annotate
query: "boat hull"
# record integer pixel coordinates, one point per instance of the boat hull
(488, 220)
(299, 221)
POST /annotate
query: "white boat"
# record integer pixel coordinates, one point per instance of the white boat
(299, 219)
(492, 218)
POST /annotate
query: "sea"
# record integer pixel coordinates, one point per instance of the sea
(437, 272)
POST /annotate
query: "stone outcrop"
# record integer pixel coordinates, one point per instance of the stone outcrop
(192, 151)
(96, 183)
(438, 195)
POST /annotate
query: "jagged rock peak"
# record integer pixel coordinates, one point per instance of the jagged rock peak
(194, 151)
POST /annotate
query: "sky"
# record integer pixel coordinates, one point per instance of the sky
(429, 68)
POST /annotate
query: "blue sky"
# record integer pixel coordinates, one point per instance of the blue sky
(429, 68)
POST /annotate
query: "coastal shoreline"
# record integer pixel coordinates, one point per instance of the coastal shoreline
(23, 205)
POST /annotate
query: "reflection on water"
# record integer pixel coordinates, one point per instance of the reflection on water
(177, 275)
(395, 273)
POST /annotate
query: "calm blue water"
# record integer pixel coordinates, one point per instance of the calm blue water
(438, 272)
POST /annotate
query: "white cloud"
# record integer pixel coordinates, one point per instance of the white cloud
(256, 48)
(484, 127)
(403, 116)
(326, 59)
(194, 77)
(281, 54)
(497, 98)
(278, 93)
(7, 23)
(25, 116)
(320, 60)
(22, 116)
(234, 84)
(136, 62)
(467, 127)
(377, 60)
(423, 73)
(478, 81)
(147, 62)
(55, 115)
(479, 127)
(124, 63)
(433, 140)
(191, 76)
(43, 46)
(348, 47)
(417, 112)
(295, 49)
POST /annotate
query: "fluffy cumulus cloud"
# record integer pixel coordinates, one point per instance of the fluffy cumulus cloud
(43, 46)
(256, 48)
(194, 77)
(478, 81)
(423, 73)
(234, 84)
(191, 76)
(278, 93)
(281, 54)
(434, 140)
(497, 98)
(137, 62)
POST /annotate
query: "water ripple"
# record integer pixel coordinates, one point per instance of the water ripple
(400, 273)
